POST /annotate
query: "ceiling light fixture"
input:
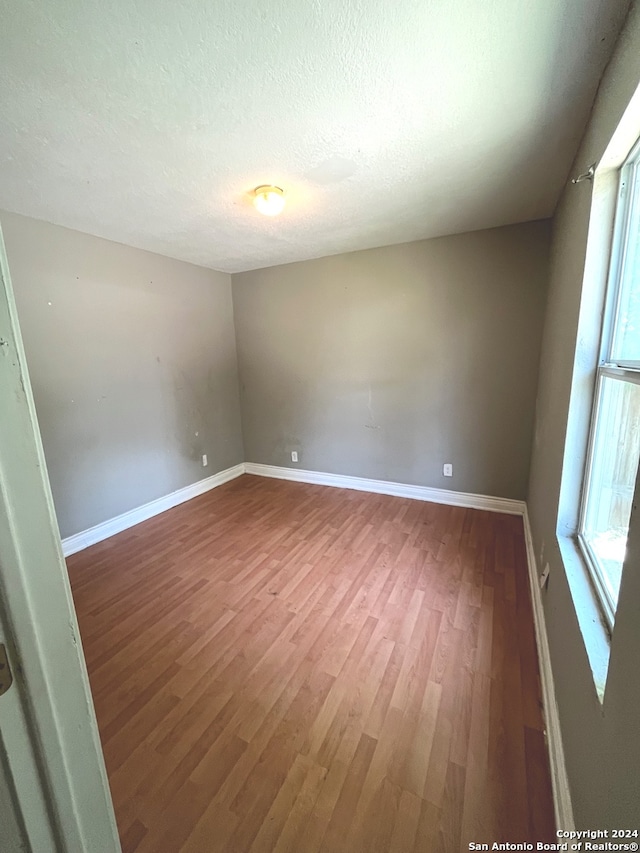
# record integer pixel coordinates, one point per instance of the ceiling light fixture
(269, 200)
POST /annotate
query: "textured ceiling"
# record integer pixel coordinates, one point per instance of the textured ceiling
(149, 121)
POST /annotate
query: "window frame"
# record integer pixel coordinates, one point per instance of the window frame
(620, 370)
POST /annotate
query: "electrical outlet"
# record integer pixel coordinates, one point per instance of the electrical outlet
(544, 577)
(294, 455)
(205, 461)
(447, 469)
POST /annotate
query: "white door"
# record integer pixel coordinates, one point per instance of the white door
(54, 794)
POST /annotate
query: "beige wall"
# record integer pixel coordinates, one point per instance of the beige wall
(389, 362)
(133, 366)
(602, 743)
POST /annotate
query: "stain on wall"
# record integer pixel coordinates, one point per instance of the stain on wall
(133, 365)
(390, 362)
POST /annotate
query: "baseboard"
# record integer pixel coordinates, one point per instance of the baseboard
(102, 531)
(561, 793)
(385, 487)
(85, 538)
(559, 779)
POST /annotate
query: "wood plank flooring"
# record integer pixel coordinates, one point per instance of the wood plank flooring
(283, 667)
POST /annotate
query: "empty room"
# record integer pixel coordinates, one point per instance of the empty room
(319, 426)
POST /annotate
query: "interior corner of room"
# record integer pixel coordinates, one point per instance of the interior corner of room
(378, 364)
(447, 361)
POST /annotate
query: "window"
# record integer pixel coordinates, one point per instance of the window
(614, 445)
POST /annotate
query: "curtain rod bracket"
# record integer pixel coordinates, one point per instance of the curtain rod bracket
(585, 176)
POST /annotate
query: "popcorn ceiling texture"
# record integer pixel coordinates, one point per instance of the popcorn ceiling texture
(149, 122)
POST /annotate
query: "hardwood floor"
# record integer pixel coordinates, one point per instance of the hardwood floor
(285, 667)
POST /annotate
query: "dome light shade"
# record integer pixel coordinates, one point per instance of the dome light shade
(269, 200)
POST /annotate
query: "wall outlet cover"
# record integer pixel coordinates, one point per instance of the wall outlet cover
(447, 469)
(294, 455)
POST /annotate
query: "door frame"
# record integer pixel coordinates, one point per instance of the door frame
(50, 699)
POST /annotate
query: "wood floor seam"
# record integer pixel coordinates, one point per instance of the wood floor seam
(281, 666)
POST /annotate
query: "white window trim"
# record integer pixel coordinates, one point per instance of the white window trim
(602, 198)
(623, 371)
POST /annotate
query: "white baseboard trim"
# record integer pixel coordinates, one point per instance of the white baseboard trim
(85, 538)
(561, 794)
(559, 780)
(384, 487)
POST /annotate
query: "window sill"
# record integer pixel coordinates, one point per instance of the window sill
(594, 633)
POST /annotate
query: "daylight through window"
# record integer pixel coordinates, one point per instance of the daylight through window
(614, 449)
